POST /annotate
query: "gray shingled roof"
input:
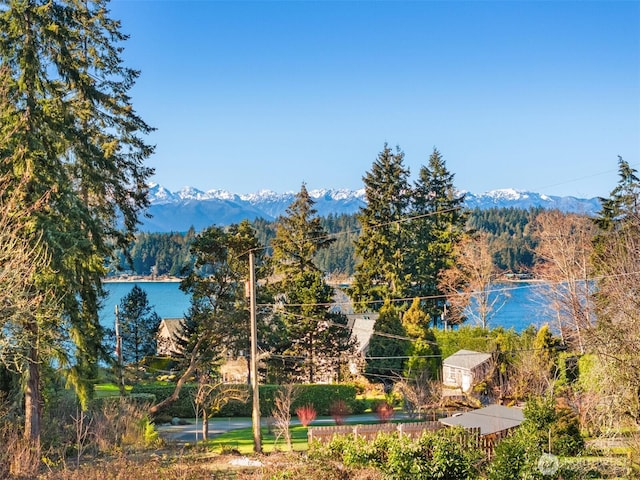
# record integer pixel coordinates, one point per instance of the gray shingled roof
(491, 419)
(174, 326)
(466, 359)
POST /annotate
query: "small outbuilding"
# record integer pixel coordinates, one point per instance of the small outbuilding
(492, 420)
(462, 370)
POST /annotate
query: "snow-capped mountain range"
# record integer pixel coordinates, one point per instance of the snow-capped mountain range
(178, 211)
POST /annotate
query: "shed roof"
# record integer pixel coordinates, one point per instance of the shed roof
(491, 419)
(467, 359)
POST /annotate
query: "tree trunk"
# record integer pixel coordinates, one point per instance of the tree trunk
(205, 424)
(193, 364)
(33, 400)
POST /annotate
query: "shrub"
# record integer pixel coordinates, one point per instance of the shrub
(444, 455)
(384, 412)
(338, 411)
(320, 396)
(306, 414)
(510, 458)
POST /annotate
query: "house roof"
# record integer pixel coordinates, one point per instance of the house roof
(173, 326)
(361, 325)
(466, 359)
(491, 419)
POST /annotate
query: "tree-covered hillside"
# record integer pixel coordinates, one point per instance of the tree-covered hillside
(508, 231)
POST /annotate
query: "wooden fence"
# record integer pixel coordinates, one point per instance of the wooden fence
(471, 437)
(413, 430)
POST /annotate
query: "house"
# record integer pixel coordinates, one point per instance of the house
(233, 370)
(465, 368)
(494, 420)
(169, 335)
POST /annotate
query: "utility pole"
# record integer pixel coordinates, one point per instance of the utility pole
(119, 353)
(255, 412)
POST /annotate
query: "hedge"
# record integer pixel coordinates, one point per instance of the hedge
(320, 396)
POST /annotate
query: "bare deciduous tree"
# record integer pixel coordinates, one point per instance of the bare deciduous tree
(564, 246)
(420, 394)
(211, 396)
(472, 279)
(282, 412)
(616, 336)
(616, 261)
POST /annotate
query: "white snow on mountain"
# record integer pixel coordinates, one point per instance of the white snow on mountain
(177, 211)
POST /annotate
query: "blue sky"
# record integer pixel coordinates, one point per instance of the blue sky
(540, 96)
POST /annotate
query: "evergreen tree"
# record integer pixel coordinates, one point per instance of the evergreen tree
(317, 337)
(388, 348)
(139, 326)
(424, 353)
(299, 236)
(438, 224)
(72, 144)
(382, 245)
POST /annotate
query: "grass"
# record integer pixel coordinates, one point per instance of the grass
(242, 440)
(109, 390)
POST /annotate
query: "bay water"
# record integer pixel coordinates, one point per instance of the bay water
(518, 305)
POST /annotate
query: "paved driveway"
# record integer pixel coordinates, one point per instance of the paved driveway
(193, 431)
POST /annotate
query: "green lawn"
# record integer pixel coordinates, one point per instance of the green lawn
(109, 390)
(242, 440)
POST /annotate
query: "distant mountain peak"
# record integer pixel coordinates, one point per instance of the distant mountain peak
(178, 211)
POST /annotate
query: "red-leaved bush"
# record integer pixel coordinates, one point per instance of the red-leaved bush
(306, 414)
(384, 412)
(339, 410)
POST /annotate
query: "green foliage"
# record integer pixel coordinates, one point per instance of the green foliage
(218, 316)
(543, 419)
(468, 338)
(319, 396)
(515, 458)
(510, 237)
(73, 152)
(435, 455)
(382, 245)
(508, 229)
(138, 326)
(316, 336)
(437, 225)
(387, 348)
(158, 254)
(616, 263)
(568, 370)
(150, 433)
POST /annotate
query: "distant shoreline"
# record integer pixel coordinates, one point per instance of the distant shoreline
(141, 279)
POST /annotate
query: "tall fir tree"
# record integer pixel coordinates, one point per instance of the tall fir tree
(139, 326)
(382, 245)
(438, 224)
(299, 237)
(317, 337)
(74, 147)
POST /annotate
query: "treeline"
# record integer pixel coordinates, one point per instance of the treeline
(508, 229)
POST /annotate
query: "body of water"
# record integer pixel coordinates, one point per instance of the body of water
(520, 306)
